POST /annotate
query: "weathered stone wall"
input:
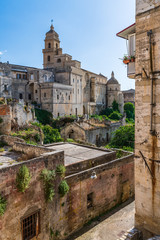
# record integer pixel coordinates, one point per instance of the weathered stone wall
(19, 204)
(30, 149)
(147, 181)
(11, 140)
(114, 184)
(5, 115)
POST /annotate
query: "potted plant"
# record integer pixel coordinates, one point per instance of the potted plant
(126, 59)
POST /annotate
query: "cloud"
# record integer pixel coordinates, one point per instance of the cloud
(2, 52)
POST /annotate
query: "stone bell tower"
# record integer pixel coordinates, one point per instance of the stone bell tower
(52, 48)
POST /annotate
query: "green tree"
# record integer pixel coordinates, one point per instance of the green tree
(115, 116)
(51, 135)
(43, 116)
(123, 137)
(115, 106)
(129, 109)
(106, 111)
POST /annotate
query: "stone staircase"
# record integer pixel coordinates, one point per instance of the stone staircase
(135, 234)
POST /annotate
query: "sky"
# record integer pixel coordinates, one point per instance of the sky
(87, 31)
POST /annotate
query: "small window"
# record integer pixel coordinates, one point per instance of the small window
(44, 94)
(69, 98)
(78, 91)
(31, 76)
(58, 60)
(31, 226)
(24, 77)
(35, 91)
(49, 45)
(56, 45)
(73, 79)
(49, 58)
(57, 97)
(18, 76)
(5, 88)
(20, 96)
(29, 96)
(66, 94)
(90, 200)
(58, 115)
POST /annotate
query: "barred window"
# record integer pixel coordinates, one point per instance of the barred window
(31, 226)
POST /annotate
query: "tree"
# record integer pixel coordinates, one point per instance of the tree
(115, 116)
(123, 137)
(129, 109)
(106, 111)
(115, 106)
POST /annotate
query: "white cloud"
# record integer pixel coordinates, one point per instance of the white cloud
(1, 53)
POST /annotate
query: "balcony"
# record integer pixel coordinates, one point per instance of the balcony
(131, 70)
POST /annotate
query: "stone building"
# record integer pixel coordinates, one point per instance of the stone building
(90, 131)
(114, 93)
(98, 181)
(147, 117)
(62, 87)
(129, 96)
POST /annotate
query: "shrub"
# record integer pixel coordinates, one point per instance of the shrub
(23, 179)
(43, 116)
(106, 111)
(3, 205)
(115, 106)
(129, 109)
(47, 176)
(123, 137)
(60, 169)
(70, 140)
(51, 135)
(2, 149)
(63, 188)
(115, 116)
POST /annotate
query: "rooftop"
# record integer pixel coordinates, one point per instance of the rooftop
(74, 153)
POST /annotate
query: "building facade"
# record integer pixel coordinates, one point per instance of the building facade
(147, 117)
(62, 87)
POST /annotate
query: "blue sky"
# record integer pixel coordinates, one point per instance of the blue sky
(87, 30)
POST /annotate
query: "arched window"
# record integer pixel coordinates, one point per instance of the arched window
(58, 60)
(49, 45)
(49, 58)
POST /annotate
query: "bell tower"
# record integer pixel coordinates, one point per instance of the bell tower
(52, 48)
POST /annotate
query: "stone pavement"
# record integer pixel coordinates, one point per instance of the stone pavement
(113, 227)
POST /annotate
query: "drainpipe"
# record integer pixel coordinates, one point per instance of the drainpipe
(149, 34)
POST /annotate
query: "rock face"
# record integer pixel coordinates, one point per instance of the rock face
(147, 105)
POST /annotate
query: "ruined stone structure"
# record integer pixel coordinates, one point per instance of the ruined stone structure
(91, 131)
(62, 87)
(147, 116)
(114, 93)
(97, 180)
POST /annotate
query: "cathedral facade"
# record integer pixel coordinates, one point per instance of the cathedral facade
(62, 86)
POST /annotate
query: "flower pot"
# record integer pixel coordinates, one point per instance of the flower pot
(132, 59)
(126, 61)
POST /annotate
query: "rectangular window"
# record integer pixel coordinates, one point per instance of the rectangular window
(44, 94)
(18, 76)
(35, 91)
(31, 77)
(24, 77)
(29, 96)
(20, 96)
(131, 50)
(31, 226)
(5, 88)
(57, 97)
(90, 200)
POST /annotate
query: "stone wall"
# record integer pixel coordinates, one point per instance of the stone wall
(147, 122)
(11, 140)
(5, 115)
(21, 204)
(114, 184)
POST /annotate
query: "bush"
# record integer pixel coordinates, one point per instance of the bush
(43, 116)
(23, 179)
(63, 188)
(48, 177)
(106, 112)
(60, 169)
(115, 116)
(129, 109)
(115, 106)
(51, 135)
(3, 205)
(123, 137)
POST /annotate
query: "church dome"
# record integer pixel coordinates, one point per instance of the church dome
(51, 31)
(112, 80)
